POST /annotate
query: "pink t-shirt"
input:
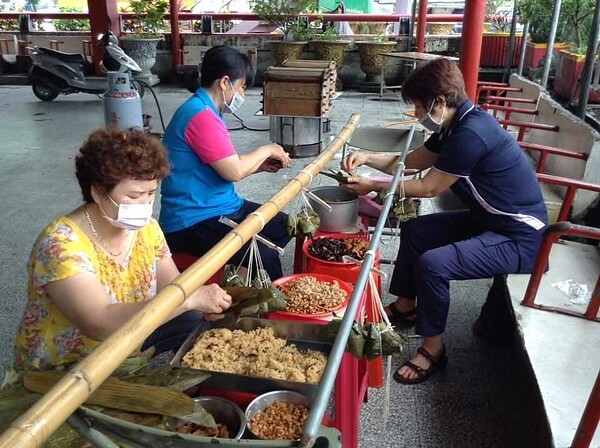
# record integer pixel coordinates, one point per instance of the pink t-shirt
(208, 137)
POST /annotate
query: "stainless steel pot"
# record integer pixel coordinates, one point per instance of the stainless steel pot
(344, 209)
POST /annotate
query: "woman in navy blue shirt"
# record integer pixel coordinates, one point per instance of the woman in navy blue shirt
(499, 232)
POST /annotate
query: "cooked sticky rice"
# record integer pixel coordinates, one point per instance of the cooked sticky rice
(257, 352)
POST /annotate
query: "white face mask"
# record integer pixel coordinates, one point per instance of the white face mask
(130, 216)
(429, 123)
(236, 101)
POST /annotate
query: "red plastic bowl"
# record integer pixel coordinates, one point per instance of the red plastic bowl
(290, 315)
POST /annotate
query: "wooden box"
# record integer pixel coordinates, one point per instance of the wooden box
(308, 63)
(292, 91)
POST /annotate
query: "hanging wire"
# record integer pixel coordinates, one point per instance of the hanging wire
(243, 126)
(160, 115)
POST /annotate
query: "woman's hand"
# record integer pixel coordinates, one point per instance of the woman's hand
(271, 165)
(277, 159)
(361, 185)
(354, 160)
(209, 299)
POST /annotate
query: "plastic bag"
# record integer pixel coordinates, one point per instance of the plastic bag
(578, 293)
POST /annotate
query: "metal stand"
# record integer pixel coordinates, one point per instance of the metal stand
(299, 135)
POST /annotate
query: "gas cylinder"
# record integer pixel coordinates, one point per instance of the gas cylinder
(122, 104)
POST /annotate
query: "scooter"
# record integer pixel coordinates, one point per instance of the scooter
(55, 72)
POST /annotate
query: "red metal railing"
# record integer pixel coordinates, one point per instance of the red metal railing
(545, 150)
(392, 18)
(572, 186)
(589, 419)
(551, 236)
(524, 126)
(508, 110)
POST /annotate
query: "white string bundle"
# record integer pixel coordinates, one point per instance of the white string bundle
(255, 264)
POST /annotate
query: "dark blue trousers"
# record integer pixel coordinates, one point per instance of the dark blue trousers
(203, 236)
(438, 248)
(172, 334)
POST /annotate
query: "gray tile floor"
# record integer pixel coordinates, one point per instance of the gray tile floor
(485, 397)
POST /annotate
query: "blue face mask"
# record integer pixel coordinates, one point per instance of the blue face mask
(429, 123)
(236, 101)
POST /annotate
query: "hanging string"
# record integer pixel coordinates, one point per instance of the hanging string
(382, 317)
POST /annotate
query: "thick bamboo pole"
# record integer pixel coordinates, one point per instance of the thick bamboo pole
(45, 416)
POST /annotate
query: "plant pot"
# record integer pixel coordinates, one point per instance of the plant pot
(494, 47)
(568, 72)
(164, 65)
(536, 52)
(371, 60)
(331, 50)
(440, 28)
(281, 50)
(143, 51)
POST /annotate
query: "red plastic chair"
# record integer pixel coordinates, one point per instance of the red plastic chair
(184, 260)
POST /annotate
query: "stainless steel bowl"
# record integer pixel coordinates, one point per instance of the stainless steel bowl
(344, 209)
(223, 411)
(260, 403)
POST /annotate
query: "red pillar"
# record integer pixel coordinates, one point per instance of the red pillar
(421, 25)
(470, 48)
(175, 45)
(104, 15)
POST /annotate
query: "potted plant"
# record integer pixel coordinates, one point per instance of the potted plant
(329, 47)
(494, 44)
(284, 15)
(146, 28)
(371, 60)
(539, 15)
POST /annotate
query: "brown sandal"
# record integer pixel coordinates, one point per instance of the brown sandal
(401, 318)
(437, 363)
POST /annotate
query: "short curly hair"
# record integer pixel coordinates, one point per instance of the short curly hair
(440, 77)
(111, 155)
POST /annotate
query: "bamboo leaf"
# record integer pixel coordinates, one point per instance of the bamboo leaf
(168, 376)
(118, 394)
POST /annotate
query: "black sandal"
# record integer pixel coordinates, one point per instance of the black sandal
(401, 318)
(437, 363)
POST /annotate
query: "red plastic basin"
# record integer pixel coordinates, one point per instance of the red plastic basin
(316, 317)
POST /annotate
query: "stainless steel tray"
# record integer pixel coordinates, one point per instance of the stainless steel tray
(303, 335)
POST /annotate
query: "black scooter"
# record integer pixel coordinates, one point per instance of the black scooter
(54, 72)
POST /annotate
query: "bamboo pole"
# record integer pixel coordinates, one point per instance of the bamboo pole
(47, 414)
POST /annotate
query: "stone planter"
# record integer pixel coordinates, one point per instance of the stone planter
(371, 60)
(143, 51)
(331, 50)
(164, 65)
(440, 28)
(281, 50)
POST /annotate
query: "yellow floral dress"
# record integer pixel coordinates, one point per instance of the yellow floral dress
(46, 339)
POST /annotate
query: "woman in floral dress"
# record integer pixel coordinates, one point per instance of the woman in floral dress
(92, 269)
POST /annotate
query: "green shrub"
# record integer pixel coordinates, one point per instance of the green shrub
(71, 24)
